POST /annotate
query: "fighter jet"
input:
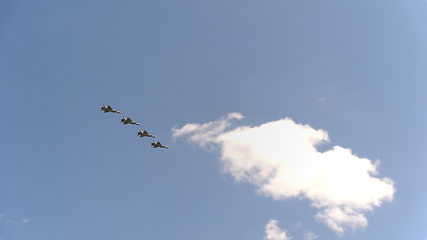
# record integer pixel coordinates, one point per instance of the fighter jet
(128, 120)
(158, 144)
(108, 108)
(144, 133)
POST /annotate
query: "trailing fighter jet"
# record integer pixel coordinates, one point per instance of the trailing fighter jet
(128, 120)
(158, 144)
(144, 133)
(108, 108)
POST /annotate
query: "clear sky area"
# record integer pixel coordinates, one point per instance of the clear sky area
(287, 119)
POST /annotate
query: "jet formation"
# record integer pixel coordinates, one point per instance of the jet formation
(128, 120)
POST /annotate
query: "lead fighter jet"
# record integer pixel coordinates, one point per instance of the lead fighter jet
(144, 133)
(128, 120)
(108, 108)
(158, 144)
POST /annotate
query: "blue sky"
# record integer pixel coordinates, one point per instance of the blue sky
(355, 69)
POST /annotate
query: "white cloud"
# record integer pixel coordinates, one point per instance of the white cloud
(280, 158)
(310, 236)
(25, 220)
(204, 134)
(273, 232)
(337, 217)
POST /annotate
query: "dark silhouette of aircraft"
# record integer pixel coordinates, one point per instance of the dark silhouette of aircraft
(155, 144)
(108, 108)
(128, 120)
(144, 133)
